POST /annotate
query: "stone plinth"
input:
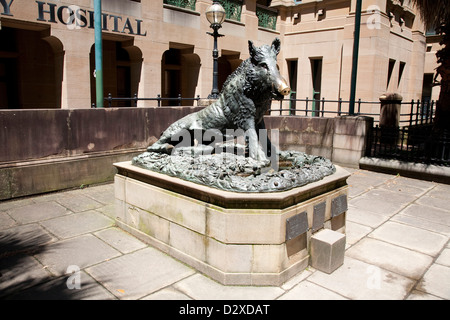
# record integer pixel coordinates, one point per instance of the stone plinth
(234, 238)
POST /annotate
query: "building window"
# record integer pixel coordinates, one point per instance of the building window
(267, 17)
(187, 4)
(233, 8)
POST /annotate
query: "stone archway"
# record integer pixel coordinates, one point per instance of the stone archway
(122, 65)
(180, 68)
(29, 80)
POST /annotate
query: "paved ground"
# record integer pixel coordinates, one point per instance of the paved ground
(65, 246)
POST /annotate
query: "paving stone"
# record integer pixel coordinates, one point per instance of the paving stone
(444, 258)
(410, 237)
(19, 272)
(428, 213)
(77, 224)
(15, 203)
(167, 294)
(120, 240)
(288, 285)
(422, 223)
(394, 186)
(306, 290)
(355, 232)
(108, 210)
(391, 257)
(362, 281)
(419, 295)
(417, 183)
(82, 251)
(439, 203)
(6, 221)
(200, 287)
(381, 201)
(440, 191)
(365, 217)
(436, 281)
(25, 239)
(37, 212)
(57, 289)
(77, 202)
(101, 193)
(139, 274)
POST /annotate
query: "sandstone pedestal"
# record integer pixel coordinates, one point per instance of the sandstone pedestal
(234, 238)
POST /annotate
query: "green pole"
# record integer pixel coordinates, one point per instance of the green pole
(98, 53)
(351, 109)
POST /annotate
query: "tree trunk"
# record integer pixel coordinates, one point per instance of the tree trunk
(442, 120)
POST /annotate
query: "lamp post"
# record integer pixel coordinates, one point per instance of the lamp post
(98, 53)
(215, 15)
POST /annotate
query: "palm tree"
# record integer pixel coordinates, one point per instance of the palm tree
(436, 14)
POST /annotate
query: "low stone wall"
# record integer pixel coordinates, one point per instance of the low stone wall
(343, 140)
(49, 150)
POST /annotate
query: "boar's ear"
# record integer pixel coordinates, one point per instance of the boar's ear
(276, 45)
(251, 49)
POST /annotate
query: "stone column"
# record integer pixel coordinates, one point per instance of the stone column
(390, 117)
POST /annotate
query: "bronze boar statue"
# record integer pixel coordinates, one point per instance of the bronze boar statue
(245, 97)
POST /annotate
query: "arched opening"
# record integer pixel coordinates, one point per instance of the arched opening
(180, 72)
(29, 80)
(122, 65)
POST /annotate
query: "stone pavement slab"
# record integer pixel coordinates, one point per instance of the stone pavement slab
(140, 273)
(362, 281)
(82, 251)
(310, 291)
(200, 287)
(76, 224)
(413, 238)
(120, 240)
(436, 281)
(57, 289)
(400, 260)
(37, 212)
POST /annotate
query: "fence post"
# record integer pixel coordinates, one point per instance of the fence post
(323, 107)
(179, 99)
(417, 111)
(306, 107)
(158, 98)
(339, 106)
(411, 112)
(109, 100)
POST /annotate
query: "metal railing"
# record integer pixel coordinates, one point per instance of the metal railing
(417, 144)
(188, 4)
(267, 17)
(414, 112)
(117, 102)
(233, 9)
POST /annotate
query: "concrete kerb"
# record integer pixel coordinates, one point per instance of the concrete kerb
(422, 171)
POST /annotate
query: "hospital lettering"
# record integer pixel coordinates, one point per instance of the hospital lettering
(75, 17)
(6, 4)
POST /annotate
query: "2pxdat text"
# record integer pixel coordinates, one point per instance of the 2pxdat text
(234, 309)
(245, 309)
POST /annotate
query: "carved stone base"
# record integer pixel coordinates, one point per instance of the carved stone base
(234, 238)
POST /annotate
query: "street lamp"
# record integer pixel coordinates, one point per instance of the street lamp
(215, 15)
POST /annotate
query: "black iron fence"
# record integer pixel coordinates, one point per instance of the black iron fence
(412, 140)
(119, 102)
(411, 113)
(416, 143)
